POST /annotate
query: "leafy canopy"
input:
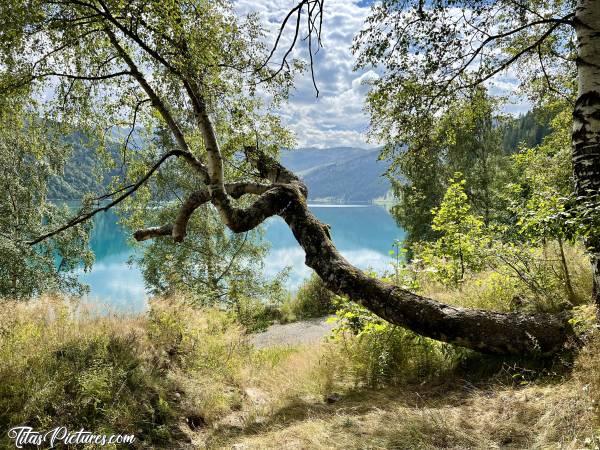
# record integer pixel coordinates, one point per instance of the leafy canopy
(31, 152)
(125, 75)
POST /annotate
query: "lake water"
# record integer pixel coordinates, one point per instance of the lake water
(363, 234)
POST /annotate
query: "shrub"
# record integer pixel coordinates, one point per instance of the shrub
(463, 236)
(80, 372)
(379, 353)
(518, 277)
(254, 314)
(63, 366)
(313, 299)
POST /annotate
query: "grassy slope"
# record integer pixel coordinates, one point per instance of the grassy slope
(180, 378)
(452, 415)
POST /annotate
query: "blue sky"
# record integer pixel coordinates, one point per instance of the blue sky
(337, 117)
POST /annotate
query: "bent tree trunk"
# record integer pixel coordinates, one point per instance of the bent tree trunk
(282, 193)
(484, 331)
(586, 122)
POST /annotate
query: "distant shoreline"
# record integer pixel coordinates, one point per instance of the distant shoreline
(312, 203)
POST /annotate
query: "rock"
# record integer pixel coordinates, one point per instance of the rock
(333, 398)
(195, 421)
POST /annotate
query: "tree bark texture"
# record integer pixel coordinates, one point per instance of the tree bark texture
(586, 121)
(484, 331)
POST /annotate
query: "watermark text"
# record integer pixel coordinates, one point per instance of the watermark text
(61, 435)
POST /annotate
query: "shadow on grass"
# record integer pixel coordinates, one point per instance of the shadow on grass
(478, 375)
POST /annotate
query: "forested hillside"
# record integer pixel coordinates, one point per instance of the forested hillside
(80, 175)
(83, 172)
(340, 174)
(335, 174)
(528, 129)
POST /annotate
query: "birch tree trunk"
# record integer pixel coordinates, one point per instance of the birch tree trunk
(586, 120)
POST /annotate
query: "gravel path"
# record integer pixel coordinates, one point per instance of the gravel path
(304, 332)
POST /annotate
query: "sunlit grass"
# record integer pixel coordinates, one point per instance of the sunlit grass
(181, 377)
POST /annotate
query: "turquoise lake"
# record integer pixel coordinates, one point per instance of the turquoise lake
(363, 234)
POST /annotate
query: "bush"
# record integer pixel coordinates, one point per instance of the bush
(313, 299)
(255, 315)
(179, 373)
(518, 277)
(91, 373)
(379, 353)
(62, 366)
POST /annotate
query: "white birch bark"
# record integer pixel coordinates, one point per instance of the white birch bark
(586, 119)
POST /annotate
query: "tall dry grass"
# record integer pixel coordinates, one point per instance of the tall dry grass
(178, 377)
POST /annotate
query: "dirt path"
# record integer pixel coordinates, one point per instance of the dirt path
(304, 332)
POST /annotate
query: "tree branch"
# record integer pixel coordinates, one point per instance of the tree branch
(553, 21)
(158, 104)
(82, 77)
(150, 233)
(484, 331)
(82, 217)
(547, 79)
(178, 229)
(314, 11)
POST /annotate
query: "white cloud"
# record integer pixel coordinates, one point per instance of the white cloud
(293, 257)
(336, 117)
(506, 85)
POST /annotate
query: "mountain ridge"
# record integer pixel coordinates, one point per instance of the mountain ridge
(339, 174)
(333, 174)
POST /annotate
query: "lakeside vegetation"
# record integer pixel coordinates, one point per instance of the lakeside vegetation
(482, 333)
(184, 377)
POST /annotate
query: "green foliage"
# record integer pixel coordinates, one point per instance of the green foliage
(311, 300)
(82, 64)
(515, 277)
(31, 152)
(255, 314)
(118, 375)
(380, 353)
(524, 261)
(178, 368)
(471, 136)
(80, 375)
(541, 183)
(524, 239)
(462, 240)
(418, 190)
(430, 58)
(429, 105)
(84, 171)
(549, 278)
(541, 194)
(466, 139)
(526, 130)
(212, 267)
